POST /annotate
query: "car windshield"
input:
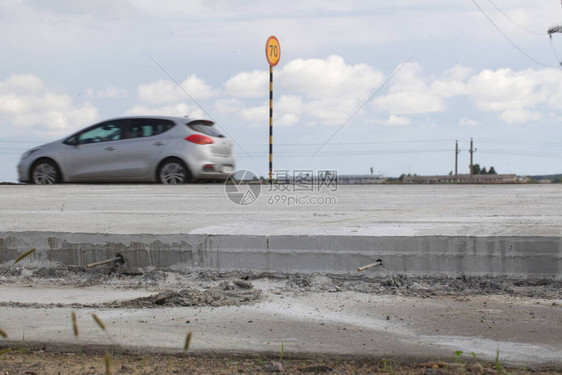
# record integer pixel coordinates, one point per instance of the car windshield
(205, 127)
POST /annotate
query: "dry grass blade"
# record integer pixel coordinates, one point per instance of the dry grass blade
(74, 323)
(187, 341)
(24, 255)
(4, 351)
(107, 364)
(3, 333)
(98, 320)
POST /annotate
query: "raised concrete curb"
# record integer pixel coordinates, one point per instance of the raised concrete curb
(526, 256)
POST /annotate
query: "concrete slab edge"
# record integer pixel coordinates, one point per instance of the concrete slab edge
(526, 256)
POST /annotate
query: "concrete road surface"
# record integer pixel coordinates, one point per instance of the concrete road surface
(356, 210)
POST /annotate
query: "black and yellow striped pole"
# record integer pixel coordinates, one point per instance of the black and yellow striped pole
(271, 124)
(273, 54)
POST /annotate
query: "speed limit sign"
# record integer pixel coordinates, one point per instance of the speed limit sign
(272, 51)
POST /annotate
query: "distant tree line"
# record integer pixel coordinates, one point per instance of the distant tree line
(477, 170)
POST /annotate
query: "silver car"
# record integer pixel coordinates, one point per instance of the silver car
(170, 150)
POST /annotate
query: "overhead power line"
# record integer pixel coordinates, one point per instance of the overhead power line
(195, 101)
(522, 153)
(355, 143)
(358, 153)
(506, 37)
(513, 22)
(364, 104)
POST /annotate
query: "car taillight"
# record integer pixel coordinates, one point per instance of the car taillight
(200, 139)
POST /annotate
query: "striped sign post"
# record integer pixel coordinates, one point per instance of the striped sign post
(273, 54)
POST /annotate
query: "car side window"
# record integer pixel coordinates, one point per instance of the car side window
(149, 127)
(104, 132)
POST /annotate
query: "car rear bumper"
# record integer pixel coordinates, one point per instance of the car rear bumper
(217, 169)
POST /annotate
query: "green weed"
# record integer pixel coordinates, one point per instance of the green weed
(498, 366)
(74, 323)
(187, 342)
(107, 364)
(23, 256)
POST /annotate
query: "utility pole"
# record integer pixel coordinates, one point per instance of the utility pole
(471, 165)
(456, 160)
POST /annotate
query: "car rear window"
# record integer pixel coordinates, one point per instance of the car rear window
(148, 127)
(205, 127)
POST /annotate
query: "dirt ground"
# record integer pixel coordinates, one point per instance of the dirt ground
(25, 361)
(210, 288)
(214, 289)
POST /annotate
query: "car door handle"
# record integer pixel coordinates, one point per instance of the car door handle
(110, 148)
(159, 143)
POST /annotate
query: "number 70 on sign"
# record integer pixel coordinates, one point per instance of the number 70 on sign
(272, 51)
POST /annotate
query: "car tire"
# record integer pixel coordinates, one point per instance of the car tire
(45, 172)
(172, 172)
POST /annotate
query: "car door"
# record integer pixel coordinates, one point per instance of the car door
(94, 154)
(143, 149)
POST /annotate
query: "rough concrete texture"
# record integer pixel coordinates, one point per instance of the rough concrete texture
(380, 210)
(531, 256)
(435, 295)
(471, 229)
(376, 318)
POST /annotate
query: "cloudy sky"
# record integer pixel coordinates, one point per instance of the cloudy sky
(388, 85)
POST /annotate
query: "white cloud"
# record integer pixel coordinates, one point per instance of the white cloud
(248, 84)
(452, 83)
(178, 109)
(28, 105)
(110, 92)
(410, 94)
(410, 102)
(228, 105)
(13, 104)
(290, 108)
(166, 91)
(287, 111)
(503, 89)
(513, 116)
(255, 115)
(22, 83)
(467, 122)
(45, 30)
(457, 73)
(288, 119)
(517, 95)
(332, 110)
(162, 91)
(326, 91)
(198, 89)
(397, 120)
(330, 77)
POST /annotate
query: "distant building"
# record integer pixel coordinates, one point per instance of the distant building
(356, 179)
(463, 179)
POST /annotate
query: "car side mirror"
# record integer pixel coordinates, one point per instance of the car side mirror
(72, 142)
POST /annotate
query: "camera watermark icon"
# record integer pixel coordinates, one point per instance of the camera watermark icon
(288, 188)
(243, 187)
(289, 200)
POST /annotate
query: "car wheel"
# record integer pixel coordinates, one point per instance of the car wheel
(173, 172)
(45, 172)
